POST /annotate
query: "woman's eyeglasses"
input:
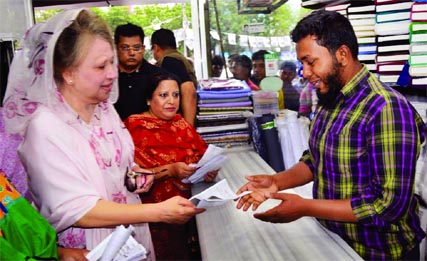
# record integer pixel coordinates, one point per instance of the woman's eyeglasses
(135, 48)
(130, 178)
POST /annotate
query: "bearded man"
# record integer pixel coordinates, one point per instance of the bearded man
(364, 142)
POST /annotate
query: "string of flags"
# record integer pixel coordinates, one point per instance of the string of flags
(254, 41)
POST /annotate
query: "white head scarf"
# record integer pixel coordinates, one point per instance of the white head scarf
(31, 86)
(31, 82)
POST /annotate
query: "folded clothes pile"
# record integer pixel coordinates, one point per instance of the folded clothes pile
(223, 109)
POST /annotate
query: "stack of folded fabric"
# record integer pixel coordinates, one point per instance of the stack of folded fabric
(316, 4)
(418, 45)
(265, 102)
(338, 7)
(361, 15)
(223, 109)
(392, 29)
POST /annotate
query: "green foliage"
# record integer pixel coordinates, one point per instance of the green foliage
(279, 23)
(43, 15)
(151, 17)
(147, 16)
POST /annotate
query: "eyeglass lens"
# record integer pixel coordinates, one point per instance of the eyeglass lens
(135, 48)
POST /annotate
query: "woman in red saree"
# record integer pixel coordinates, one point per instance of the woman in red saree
(166, 143)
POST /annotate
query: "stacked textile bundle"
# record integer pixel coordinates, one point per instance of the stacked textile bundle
(392, 29)
(293, 136)
(418, 45)
(361, 15)
(317, 4)
(223, 109)
(265, 140)
(265, 102)
(338, 7)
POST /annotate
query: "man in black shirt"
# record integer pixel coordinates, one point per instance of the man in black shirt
(163, 47)
(134, 70)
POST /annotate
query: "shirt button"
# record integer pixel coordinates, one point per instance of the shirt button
(130, 86)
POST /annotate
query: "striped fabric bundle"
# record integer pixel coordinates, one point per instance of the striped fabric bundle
(418, 45)
(223, 108)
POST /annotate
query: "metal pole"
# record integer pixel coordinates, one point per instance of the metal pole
(220, 38)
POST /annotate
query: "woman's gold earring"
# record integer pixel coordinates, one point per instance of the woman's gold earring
(148, 103)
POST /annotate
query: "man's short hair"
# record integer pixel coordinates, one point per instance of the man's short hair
(290, 65)
(163, 38)
(128, 30)
(259, 55)
(331, 29)
(244, 61)
(217, 60)
(231, 57)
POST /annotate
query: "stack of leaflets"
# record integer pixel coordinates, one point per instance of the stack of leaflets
(212, 160)
(216, 195)
(118, 246)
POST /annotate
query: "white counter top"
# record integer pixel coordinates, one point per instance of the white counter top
(226, 233)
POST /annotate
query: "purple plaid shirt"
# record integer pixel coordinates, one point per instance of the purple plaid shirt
(365, 149)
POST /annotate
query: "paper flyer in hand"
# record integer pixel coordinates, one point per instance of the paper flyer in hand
(118, 246)
(216, 195)
(212, 160)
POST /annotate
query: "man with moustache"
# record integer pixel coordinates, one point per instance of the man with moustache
(364, 142)
(258, 66)
(134, 70)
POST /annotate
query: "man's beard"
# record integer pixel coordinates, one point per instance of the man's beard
(333, 80)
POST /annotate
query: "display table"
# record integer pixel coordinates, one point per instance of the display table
(226, 233)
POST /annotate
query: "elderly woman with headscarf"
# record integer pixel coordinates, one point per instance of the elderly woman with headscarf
(76, 150)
